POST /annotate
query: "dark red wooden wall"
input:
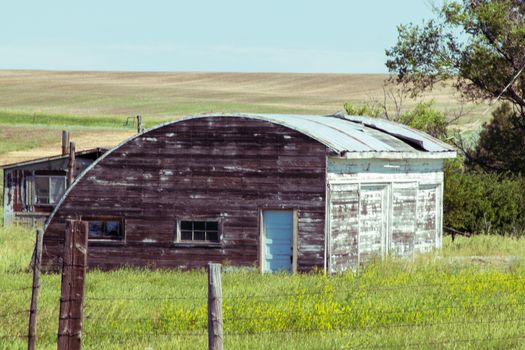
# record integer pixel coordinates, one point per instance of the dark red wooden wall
(216, 167)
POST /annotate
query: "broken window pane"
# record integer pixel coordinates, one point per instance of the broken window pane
(42, 189)
(113, 228)
(95, 229)
(57, 187)
(105, 229)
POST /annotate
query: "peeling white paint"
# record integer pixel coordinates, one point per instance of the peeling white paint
(106, 182)
(239, 168)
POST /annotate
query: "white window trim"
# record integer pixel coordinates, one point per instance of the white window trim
(49, 177)
(219, 231)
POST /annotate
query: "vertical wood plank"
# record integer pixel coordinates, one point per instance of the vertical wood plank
(65, 142)
(139, 123)
(72, 291)
(37, 266)
(215, 334)
(71, 165)
(295, 240)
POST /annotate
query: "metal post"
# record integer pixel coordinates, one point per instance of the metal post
(72, 291)
(37, 264)
(215, 335)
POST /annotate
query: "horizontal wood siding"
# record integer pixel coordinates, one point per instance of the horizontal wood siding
(225, 168)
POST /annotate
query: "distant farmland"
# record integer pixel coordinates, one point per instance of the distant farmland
(96, 105)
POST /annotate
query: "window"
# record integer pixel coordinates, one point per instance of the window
(110, 229)
(49, 189)
(199, 231)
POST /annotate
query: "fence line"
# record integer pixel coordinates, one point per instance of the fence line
(369, 289)
(456, 341)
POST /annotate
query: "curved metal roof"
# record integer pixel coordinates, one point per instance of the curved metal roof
(352, 134)
(348, 136)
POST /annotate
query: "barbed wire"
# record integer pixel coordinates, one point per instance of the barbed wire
(14, 290)
(436, 343)
(375, 327)
(13, 313)
(113, 298)
(371, 289)
(164, 334)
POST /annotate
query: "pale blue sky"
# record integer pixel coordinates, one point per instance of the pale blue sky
(196, 35)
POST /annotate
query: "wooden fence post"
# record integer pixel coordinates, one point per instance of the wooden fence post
(65, 142)
(139, 124)
(37, 264)
(72, 291)
(71, 165)
(215, 336)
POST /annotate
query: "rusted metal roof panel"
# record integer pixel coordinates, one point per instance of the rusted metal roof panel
(94, 151)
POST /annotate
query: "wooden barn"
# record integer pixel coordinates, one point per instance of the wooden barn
(33, 188)
(275, 192)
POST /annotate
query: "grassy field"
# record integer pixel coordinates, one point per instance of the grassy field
(433, 302)
(99, 107)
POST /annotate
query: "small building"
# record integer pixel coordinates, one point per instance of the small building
(276, 192)
(33, 188)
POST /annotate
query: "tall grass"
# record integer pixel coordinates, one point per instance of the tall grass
(430, 303)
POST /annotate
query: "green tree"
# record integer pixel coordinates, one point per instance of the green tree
(501, 145)
(479, 44)
(422, 117)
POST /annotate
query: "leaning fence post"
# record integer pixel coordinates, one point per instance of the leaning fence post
(37, 264)
(215, 336)
(72, 291)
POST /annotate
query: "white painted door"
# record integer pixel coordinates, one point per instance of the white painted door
(372, 222)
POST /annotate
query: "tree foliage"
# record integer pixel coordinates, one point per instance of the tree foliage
(501, 145)
(480, 44)
(477, 202)
(422, 117)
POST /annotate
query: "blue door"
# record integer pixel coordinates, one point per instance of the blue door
(278, 238)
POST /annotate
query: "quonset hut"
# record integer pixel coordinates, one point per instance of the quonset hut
(277, 192)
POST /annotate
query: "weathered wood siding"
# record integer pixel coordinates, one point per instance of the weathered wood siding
(224, 168)
(18, 189)
(344, 226)
(380, 207)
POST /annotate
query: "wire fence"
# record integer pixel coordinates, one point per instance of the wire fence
(362, 318)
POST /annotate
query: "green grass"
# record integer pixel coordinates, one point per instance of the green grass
(21, 138)
(57, 120)
(428, 303)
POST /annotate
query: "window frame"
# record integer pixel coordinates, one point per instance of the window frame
(35, 201)
(104, 220)
(180, 241)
